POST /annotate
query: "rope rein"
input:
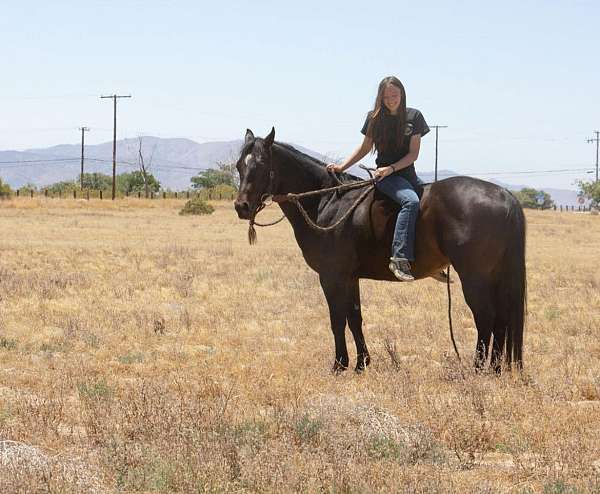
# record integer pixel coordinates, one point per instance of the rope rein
(344, 217)
(295, 199)
(450, 314)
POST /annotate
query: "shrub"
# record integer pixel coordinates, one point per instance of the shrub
(5, 190)
(197, 206)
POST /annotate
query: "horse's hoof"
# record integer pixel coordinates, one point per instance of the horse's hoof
(362, 363)
(338, 368)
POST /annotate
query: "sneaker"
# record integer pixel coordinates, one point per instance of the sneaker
(401, 269)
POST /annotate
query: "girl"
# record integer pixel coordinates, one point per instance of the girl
(394, 132)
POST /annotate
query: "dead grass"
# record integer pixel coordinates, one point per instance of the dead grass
(142, 351)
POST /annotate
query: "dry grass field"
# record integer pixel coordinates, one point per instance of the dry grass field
(143, 351)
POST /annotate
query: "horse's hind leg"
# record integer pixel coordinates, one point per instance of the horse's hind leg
(336, 293)
(479, 296)
(500, 331)
(354, 317)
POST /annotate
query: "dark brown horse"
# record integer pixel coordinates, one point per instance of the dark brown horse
(473, 225)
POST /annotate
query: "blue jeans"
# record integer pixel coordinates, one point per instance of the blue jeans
(401, 191)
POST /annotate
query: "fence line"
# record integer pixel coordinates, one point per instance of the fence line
(209, 195)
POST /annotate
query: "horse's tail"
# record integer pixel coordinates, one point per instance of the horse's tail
(513, 284)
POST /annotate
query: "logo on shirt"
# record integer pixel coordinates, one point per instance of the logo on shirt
(408, 130)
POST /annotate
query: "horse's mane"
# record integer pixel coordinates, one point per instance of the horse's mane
(311, 161)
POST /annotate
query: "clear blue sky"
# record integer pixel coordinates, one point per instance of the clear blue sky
(517, 82)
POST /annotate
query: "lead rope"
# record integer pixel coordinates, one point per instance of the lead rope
(450, 313)
(252, 230)
(314, 226)
(295, 198)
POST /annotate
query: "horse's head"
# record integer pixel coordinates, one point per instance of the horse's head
(257, 174)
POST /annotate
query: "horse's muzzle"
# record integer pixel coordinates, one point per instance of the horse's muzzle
(243, 209)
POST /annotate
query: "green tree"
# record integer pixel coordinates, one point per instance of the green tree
(528, 198)
(133, 182)
(5, 190)
(61, 187)
(225, 174)
(96, 181)
(590, 191)
(28, 188)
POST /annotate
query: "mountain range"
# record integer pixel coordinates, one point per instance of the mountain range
(173, 162)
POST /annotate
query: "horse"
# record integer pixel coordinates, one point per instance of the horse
(475, 226)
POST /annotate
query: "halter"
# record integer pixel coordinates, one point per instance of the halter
(265, 196)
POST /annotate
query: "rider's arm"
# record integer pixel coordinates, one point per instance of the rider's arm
(411, 157)
(358, 154)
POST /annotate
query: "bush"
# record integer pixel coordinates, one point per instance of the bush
(197, 206)
(528, 198)
(5, 190)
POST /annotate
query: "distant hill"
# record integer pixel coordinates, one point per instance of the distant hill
(172, 161)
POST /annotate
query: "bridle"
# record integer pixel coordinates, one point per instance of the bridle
(266, 199)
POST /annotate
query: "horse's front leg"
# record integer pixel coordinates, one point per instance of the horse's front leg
(336, 293)
(354, 316)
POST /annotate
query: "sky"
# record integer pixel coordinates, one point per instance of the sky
(516, 82)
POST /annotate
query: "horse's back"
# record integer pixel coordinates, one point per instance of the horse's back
(460, 218)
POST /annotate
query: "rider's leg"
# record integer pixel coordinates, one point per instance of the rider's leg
(401, 191)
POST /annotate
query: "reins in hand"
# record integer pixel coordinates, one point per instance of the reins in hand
(295, 199)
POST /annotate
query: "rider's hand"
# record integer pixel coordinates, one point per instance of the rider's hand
(334, 167)
(383, 172)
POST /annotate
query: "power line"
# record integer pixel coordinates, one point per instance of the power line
(596, 140)
(437, 127)
(38, 161)
(114, 174)
(83, 131)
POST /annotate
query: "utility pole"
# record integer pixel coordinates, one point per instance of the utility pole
(437, 127)
(83, 131)
(114, 174)
(596, 140)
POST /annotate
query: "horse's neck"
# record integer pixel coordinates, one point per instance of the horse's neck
(296, 174)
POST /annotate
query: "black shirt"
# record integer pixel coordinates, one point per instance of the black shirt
(415, 124)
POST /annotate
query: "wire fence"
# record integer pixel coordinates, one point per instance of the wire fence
(580, 209)
(207, 194)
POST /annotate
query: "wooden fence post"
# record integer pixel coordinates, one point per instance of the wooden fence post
(31, 192)
(100, 194)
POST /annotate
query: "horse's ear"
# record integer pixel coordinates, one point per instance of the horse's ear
(249, 136)
(270, 138)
